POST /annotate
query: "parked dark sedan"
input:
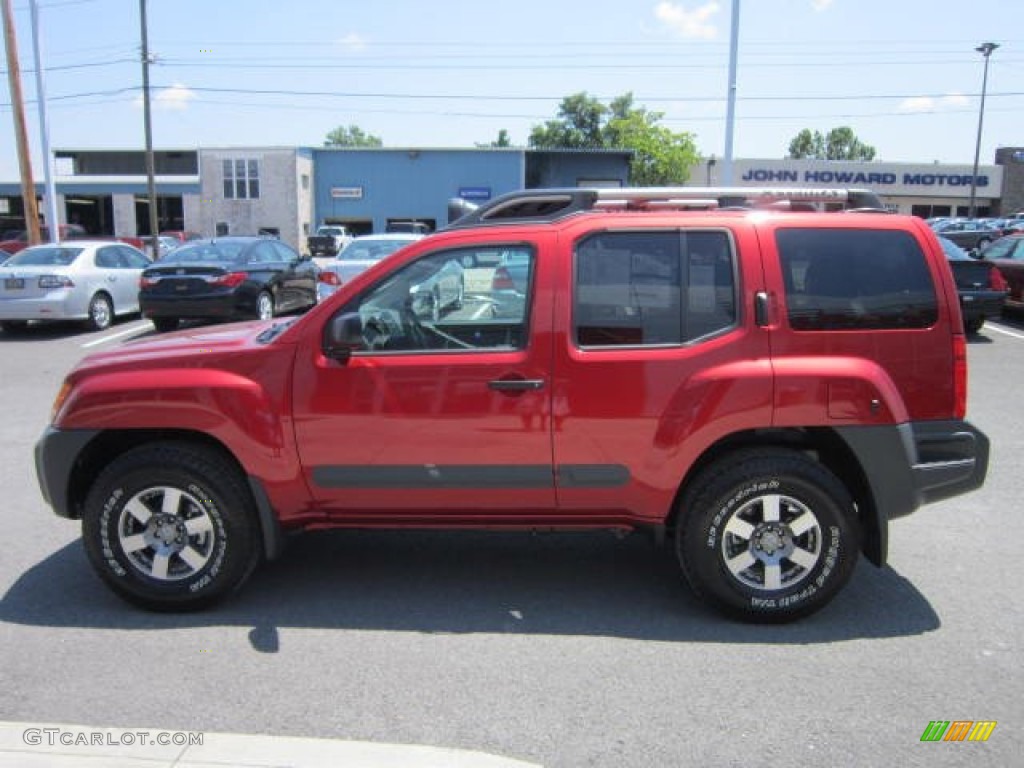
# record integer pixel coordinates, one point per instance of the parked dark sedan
(227, 278)
(1007, 255)
(968, 233)
(981, 287)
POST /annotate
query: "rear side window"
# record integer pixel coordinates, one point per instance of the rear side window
(653, 288)
(855, 279)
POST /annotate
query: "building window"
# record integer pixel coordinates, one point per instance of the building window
(242, 179)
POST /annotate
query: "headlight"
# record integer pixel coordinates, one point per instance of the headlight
(58, 403)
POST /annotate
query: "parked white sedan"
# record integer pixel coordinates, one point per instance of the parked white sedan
(90, 280)
(358, 256)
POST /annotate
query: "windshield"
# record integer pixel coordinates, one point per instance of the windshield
(44, 257)
(953, 251)
(1000, 249)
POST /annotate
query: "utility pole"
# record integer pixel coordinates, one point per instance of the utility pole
(44, 129)
(148, 122)
(28, 187)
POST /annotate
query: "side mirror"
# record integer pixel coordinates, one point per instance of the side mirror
(344, 336)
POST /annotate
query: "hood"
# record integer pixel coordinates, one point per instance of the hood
(189, 348)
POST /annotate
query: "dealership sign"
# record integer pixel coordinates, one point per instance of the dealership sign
(930, 180)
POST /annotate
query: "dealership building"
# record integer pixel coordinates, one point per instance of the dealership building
(288, 191)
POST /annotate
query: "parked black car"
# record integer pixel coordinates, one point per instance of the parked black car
(980, 285)
(227, 278)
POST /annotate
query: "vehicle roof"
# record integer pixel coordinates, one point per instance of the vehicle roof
(410, 236)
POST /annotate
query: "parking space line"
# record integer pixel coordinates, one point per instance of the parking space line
(113, 336)
(990, 326)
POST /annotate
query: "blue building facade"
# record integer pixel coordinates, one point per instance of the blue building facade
(368, 189)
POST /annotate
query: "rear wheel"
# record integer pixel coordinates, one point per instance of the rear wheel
(767, 535)
(171, 527)
(264, 306)
(101, 312)
(973, 324)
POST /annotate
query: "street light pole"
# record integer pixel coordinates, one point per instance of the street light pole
(985, 49)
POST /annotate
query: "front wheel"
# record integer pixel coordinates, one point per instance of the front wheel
(767, 535)
(171, 527)
(974, 325)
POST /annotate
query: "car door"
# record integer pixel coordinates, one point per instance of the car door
(299, 277)
(132, 263)
(117, 279)
(431, 419)
(656, 360)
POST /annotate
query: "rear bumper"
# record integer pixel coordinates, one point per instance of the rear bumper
(219, 307)
(917, 463)
(982, 304)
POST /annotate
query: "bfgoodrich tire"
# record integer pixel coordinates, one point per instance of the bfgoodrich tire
(171, 527)
(767, 535)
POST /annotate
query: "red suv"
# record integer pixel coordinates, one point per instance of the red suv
(762, 385)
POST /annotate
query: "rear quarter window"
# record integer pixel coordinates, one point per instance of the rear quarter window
(855, 279)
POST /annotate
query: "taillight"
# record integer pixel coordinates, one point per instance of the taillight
(230, 280)
(146, 282)
(502, 280)
(959, 375)
(329, 278)
(996, 281)
(55, 281)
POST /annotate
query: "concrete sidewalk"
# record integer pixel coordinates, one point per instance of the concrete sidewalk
(52, 745)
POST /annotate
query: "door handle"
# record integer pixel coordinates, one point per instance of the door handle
(515, 385)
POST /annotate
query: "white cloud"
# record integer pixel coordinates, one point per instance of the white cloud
(950, 101)
(821, 5)
(686, 23)
(353, 42)
(175, 98)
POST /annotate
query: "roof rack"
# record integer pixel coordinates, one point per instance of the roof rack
(541, 205)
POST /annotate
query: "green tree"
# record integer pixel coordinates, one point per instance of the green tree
(503, 139)
(579, 124)
(351, 136)
(838, 144)
(660, 156)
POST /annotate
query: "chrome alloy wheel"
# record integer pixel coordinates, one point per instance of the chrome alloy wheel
(166, 533)
(264, 306)
(771, 542)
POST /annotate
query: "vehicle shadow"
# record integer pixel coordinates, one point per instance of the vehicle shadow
(61, 329)
(576, 584)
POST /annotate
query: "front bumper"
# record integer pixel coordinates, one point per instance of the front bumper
(56, 453)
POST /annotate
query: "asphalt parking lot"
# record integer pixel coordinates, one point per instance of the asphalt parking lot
(562, 650)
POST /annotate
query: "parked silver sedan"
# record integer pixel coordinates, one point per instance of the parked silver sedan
(359, 255)
(90, 280)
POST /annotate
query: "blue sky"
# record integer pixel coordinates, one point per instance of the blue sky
(902, 73)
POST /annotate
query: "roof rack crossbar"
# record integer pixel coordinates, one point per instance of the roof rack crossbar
(540, 205)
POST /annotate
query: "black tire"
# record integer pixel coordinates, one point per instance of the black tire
(171, 527)
(750, 566)
(973, 324)
(165, 324)
(101, 312)
(14, 326)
